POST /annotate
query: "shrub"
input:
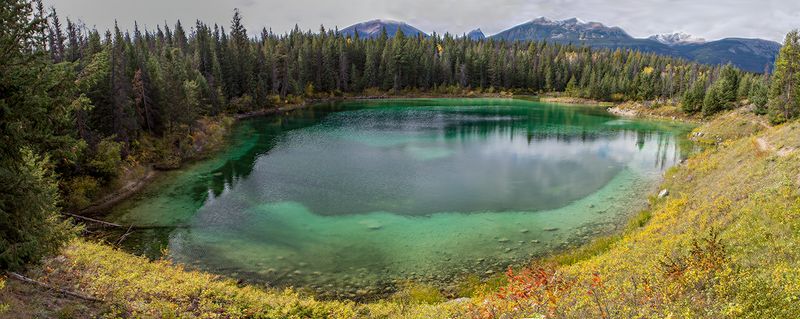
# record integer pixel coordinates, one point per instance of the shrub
(419, 293)
(106, 159)
(240, 104)
(80, 191)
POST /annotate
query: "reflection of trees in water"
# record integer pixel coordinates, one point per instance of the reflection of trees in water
(539, 123)
(266, 133)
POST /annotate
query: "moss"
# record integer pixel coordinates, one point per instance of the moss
(419, 293)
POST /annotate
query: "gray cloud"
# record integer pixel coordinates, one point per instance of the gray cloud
(769, 19)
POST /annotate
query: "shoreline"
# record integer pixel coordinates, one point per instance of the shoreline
(152, 170)
(576, 241)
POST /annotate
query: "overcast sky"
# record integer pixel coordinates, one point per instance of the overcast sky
(710, 19)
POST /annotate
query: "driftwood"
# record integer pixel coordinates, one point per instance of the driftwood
(128, 227)
(121, 194)
(24, 279)
(125, 235)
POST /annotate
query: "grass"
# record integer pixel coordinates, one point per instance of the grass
(724, 244)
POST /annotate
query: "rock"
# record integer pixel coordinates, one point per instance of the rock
(663, 193)
(535, 241)
(508, 250)
(503, 240)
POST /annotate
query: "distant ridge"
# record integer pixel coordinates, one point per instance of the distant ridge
(752, 55)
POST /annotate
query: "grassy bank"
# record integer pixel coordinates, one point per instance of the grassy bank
(722, 244)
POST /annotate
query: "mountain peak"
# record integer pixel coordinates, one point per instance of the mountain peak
(476, 34)
(567, 30)
(372, 28)
(676, 38)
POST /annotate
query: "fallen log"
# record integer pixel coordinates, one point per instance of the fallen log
(24, 279)
(128, 227)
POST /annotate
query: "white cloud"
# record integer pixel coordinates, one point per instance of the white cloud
(769, 19)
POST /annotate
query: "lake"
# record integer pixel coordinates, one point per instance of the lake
(351, 199)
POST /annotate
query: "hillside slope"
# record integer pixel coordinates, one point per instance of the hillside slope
(722, 244)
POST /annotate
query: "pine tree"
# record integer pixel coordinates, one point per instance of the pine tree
(693, 99)
(30, 226)
(784, 102)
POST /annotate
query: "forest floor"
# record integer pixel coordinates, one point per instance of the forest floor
(723, 243)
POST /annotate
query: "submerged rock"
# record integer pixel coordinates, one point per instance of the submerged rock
(503, 240)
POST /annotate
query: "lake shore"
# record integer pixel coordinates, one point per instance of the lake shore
(137, 178)
(702, 193)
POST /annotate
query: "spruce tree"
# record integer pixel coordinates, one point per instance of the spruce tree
(784, 101)
(30, 226)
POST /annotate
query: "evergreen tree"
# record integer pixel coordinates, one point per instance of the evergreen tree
(715, 99)
(759, 96)
(784, 97)
(31, 102)
(693, 99)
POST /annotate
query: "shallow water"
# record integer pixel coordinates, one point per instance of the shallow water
(350, 198)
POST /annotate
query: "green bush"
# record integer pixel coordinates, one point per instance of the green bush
(106, 159)
(80, 191)
(419, 293)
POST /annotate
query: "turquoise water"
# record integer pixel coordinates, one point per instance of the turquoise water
(348, 199)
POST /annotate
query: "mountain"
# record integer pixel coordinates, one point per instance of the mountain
(575, 31)
(372, 29)
(754, 55)
(565, 30)
(748, 54)
(476, 35)
(676, 38)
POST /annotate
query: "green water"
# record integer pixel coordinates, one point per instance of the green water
(350, 198)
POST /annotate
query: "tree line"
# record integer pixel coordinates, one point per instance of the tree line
(77, 102)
